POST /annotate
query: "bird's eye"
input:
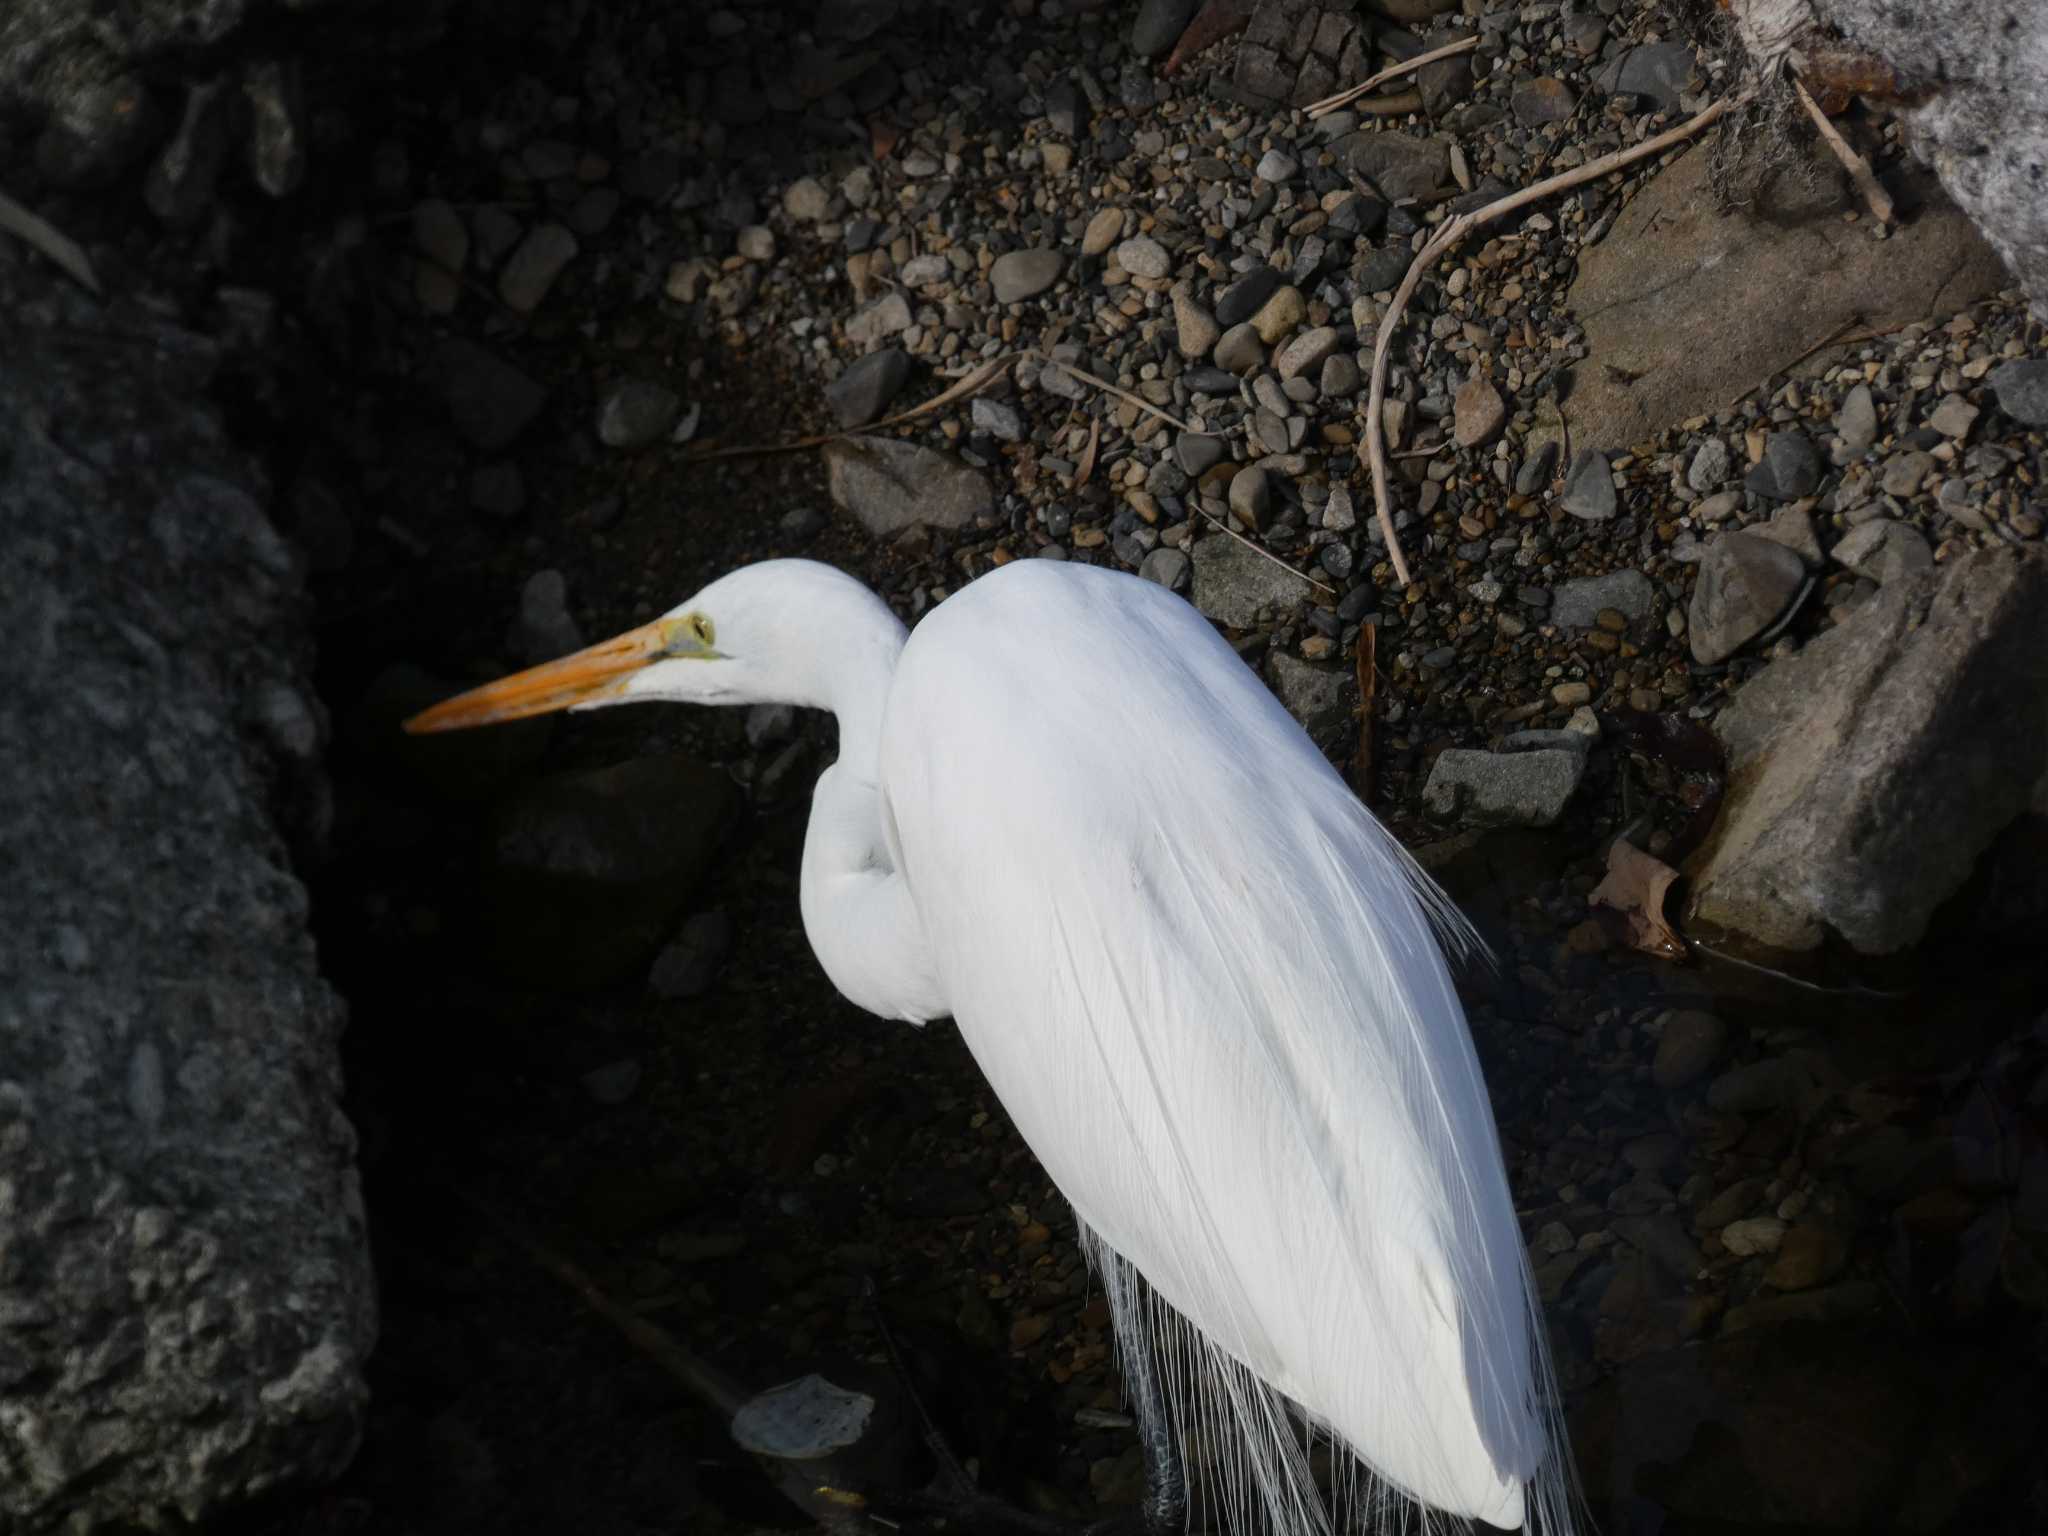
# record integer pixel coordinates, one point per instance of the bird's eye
(699, 628)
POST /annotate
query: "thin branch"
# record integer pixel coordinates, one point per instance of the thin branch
(1875, 198)
(1122, 394)
(1394, 72)
(46, 237)
(968, 384)
(1260, 549)
(1374, 451)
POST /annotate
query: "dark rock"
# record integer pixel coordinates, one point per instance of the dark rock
(1158, 26)
(490, 401)
(635, 413)
(1546, 99)
(1789, 469)
(184, 1276)
(1577, 604)
(1317, 696)
(1232, 584)
(1745, 583)
(1246, 297)
(688, 966)
(1657, 72)
(863, 392)
(1688, 1046)
(1398, 166)
(181, 183)
(97, 130)
(1868, 772)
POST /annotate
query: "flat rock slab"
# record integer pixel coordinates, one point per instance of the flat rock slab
(186, 1299)
(1503, 789)
(891, 486)
(1702, 305)
(1867, 773)
(1232, 584)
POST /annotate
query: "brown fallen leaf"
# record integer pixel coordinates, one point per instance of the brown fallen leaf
(1635, 887)
(1087, 464)
(1368, 655)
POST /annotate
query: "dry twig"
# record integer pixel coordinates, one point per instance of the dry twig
(967, 385)
(1086, 468)
(1122, 394)
(1368, 656)
(1331, 103)
(1875, 198)
(1374, 450)
(1261, 550)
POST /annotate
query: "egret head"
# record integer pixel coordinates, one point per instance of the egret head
(765, 633)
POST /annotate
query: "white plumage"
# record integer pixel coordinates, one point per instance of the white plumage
(1205, 983)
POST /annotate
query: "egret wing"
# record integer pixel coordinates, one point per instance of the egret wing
(1205, 984)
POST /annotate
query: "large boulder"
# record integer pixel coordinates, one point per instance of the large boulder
(185, 1291)
(1969, 75)
(1868, 772)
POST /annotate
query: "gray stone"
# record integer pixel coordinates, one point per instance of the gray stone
(1317, 696)
(1789, 469)
(806, 200)
(1158, 26)
(1239, 349)
(1276, 167)
(2022, 390)
(1792, 526)
(186, 1297)
(1503, 789)
(613, 1083)
(998, 418)
(1478, 412)
(1545, 99)
(863, 392)
(1340, 376)
(1686, 306)
(1167, 566)
(1744, 586)
(1657, 72)
(1142, 256)
(1020, 275)
(1589, 488)
(185, 173)
(1856, 423)
(1883, 550)
(881, 318)
(1867, 772)
(530, 271)
(1233, 584)
(1953, 417)
(1305, 352)
(890, 485)
(1905, 473)
(1710, 465)
(1577, 604)
(489, 401)
(635, 413)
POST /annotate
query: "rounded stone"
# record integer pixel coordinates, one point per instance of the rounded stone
(1020, 275)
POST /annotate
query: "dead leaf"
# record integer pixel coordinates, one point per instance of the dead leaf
(883, 136)
(1636, 886)
(1087, 464)
(1368, 655)
(44, 236)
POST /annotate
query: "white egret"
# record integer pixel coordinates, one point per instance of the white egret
(1204, 981)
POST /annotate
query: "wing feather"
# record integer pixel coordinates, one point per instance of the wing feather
(1208, 988)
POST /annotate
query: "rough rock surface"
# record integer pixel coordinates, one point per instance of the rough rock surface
(1984, 129)
(891, 485)
(1867, 773)
(185, 1291)
(1503, 789)
(1693, 305)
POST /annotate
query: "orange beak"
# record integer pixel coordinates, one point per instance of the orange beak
(597, 672)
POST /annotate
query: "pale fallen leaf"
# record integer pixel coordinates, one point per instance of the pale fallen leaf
(1636, 886)
(50, 240)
